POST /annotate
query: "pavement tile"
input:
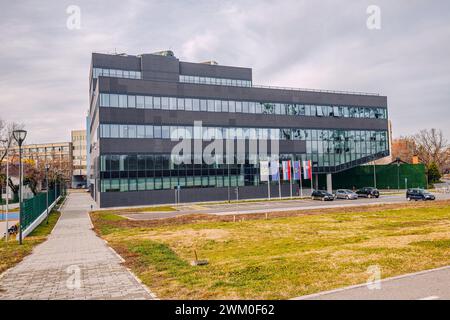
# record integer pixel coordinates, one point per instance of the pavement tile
(72, 255)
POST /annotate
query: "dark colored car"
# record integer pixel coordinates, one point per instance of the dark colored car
(322, 195)
(368, 192)
(419, 194)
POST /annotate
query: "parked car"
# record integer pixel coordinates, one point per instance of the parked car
(419, 194)
(346, 194)
(322, 195)
(368, 192)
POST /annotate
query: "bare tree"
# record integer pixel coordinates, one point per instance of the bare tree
(404, 149)
(6, 137)
(432, 147)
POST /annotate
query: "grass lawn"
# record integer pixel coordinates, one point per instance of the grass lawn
(284, 256)
(11, 253)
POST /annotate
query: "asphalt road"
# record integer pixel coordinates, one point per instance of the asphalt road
(270, 206)
(425, 285)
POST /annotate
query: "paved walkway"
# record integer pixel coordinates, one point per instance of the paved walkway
(72, 264)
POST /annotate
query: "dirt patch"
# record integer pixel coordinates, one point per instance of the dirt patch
(187, 235)
(196, 218)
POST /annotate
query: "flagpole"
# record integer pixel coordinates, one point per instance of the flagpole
(301, 188)
(290, 176)
(279, 185)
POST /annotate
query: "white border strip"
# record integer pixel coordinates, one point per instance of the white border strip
(319, 294)
(122, 261)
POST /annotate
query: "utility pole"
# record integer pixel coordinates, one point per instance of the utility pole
(19, 136)
(7, 193)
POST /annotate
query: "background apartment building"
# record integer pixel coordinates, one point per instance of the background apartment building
(57, 155)
(79, 158)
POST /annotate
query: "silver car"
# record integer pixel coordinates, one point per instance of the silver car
(346, 194)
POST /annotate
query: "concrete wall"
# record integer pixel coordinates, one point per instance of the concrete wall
(119, 199)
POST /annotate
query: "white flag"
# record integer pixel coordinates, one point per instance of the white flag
(264, 170)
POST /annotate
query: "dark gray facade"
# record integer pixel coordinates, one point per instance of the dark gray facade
(337, 131)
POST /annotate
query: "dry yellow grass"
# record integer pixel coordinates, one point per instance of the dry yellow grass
(283, 257)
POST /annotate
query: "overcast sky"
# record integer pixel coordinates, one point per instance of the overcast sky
(308, 44)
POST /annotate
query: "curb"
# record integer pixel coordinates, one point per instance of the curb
(152, 295)
(122, 260)
(357, 286)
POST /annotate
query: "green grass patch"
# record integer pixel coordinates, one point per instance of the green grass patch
(438, 244)
(11, 253)
(281, 258)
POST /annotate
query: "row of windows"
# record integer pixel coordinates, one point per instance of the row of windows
(209, 105)
(209, 133)
(78, 138)
(153, 172)
(215, 81)
(161, 165)
(144, 184)
(116, 73)
(46, 150)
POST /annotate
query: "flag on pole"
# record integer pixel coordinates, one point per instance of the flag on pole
(287, 170)
(307, 170)
(274, 170)
(297, 170)
(264, 170)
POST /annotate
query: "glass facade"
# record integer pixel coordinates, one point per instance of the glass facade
(329, 150)
(215, 81)
(116, 73)
(230, 106)
(352, 131)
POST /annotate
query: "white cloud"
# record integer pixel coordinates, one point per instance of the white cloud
(44, 79)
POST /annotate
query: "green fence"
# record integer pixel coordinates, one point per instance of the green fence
(34, 207)
(387, 177)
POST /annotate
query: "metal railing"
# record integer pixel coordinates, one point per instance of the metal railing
(32, 208)
(316, 90)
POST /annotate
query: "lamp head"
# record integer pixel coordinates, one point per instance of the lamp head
(19, 136)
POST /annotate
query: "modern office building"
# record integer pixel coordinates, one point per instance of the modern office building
(138, 103)
(79, 158)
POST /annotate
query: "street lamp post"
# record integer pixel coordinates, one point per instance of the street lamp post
(398, 174)
(47, 167)
(7, 194)
(54, 183)
(6, 188)
(19, 136)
